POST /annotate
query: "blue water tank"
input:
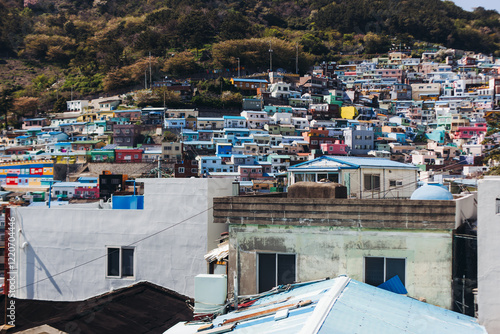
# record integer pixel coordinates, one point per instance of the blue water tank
(432, 192)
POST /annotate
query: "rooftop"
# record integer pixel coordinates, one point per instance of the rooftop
(140, 308)
(340, 305)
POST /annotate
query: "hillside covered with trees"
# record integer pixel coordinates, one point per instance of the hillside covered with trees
(55, 47)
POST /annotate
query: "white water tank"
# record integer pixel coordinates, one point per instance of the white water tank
(210, 293)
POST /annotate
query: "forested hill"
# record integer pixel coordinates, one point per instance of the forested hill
(86, 41)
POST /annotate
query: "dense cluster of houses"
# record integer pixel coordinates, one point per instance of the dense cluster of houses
(412, 110)
(341, 140)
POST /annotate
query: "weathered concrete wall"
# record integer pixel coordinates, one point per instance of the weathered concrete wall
(131, 169)
(367, 213)
(62, 170)
(323, 251)
(331, 237)
(488, 250)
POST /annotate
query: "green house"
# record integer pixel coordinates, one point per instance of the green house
(102, 155)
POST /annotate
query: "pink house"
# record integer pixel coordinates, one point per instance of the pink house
(466, 132)
(254, 172)
(391, 73)
(32, 123)
(337, 148)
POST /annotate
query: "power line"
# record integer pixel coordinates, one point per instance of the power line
(105, 255)
(443, 169)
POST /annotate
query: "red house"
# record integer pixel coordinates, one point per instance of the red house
(187, 168)
(12, 180)
(84, 192)
(337, 148)
(128, 155)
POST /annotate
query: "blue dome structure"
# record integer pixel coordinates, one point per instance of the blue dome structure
(431, 192)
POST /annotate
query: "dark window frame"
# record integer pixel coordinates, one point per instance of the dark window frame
(120, 262)
(280, 273)
(383, 272)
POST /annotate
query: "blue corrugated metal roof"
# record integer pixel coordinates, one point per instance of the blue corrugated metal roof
(340, 305)
(233, 117)
(362, 308)
(394, 285)
(356, 162)
(87, 178)
(250, 80)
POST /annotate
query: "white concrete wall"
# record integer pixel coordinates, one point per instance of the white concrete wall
(488, 263)
(60, 239)
(466, 208)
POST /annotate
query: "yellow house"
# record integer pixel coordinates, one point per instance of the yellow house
(348, 112)
(90, 116)
(105, 114)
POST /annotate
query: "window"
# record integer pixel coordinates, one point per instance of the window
(120, 262)
(372, 181)
(275, 269)
(181, 170)
(194, 170)
(394, 183)
(333, 177)
(380, 269)
(497, 206)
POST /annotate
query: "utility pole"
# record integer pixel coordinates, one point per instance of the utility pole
(150, 73)
(146, 78)
(297, 58)
(270, 57)
(238, 66)
(159, 166)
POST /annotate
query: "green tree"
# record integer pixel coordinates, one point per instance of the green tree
(5, 104)
(181, 64)
(234, 26)
(195, 29)
(60, 105)
(313, 44)
(375, 43)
